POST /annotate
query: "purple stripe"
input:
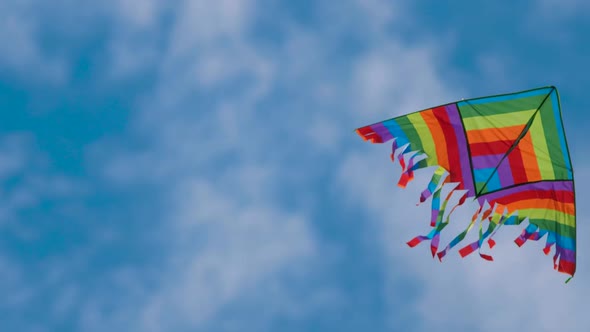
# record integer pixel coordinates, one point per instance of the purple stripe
(544, 185)
(435, 240)
(382, 131)
(505, 174)
(455, 120)
(566, 254)
(485, 161)
(433, 216)
(394, 146)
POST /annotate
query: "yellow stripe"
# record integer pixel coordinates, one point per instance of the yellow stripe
(425, 136)
(498, 120)
(541, 150)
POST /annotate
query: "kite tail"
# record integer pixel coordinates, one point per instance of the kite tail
(438, 209)
(476, 217)
(509, 219)
(497, 215)
(495, 221)
(437, 212)
(409, 162)
(562, 260)
(491, 209)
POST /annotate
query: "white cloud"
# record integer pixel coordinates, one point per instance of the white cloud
(228, 249)
(229, 239)
(140, 13)
(29, 180)
(202, 21)
(393, 79)
(22, 162)
(230, 234)
(20, 49)
(224, 243)
(12, 284)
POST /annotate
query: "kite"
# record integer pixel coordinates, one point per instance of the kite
(508, 153)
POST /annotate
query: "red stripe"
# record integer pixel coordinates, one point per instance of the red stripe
(364, 131)
(467, 250)
(563, 196)
(490, 148)
(455, 172)
(487, 257)
(414, 242)
(567, 267)
(517, 166)
(433, 249)
(405, 178)
(546, 250)
(367, 133)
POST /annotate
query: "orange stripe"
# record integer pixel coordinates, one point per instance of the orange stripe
(543, 203)
(529, 158)
(509, 133)
(439, 138)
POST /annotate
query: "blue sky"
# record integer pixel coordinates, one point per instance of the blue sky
(192, 166)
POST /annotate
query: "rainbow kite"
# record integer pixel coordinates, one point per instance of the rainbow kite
(508, 152)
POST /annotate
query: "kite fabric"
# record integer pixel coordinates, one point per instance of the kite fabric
(507, 152)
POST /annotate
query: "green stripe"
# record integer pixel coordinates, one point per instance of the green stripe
(553, 226)
(499, 120)
(502, 107)
(408, 128)
(553, 141)
(549, 214)
(425, 136)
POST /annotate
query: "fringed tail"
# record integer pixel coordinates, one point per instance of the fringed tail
(492, 211)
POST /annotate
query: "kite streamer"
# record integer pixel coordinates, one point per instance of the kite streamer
(508, 152)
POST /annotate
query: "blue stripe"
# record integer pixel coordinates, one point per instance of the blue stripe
(397, 132)
(432, 185)
(562, 241)
(550, 238)
(436, 200)
(531, 228)
(483, 174)
(565, 242)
